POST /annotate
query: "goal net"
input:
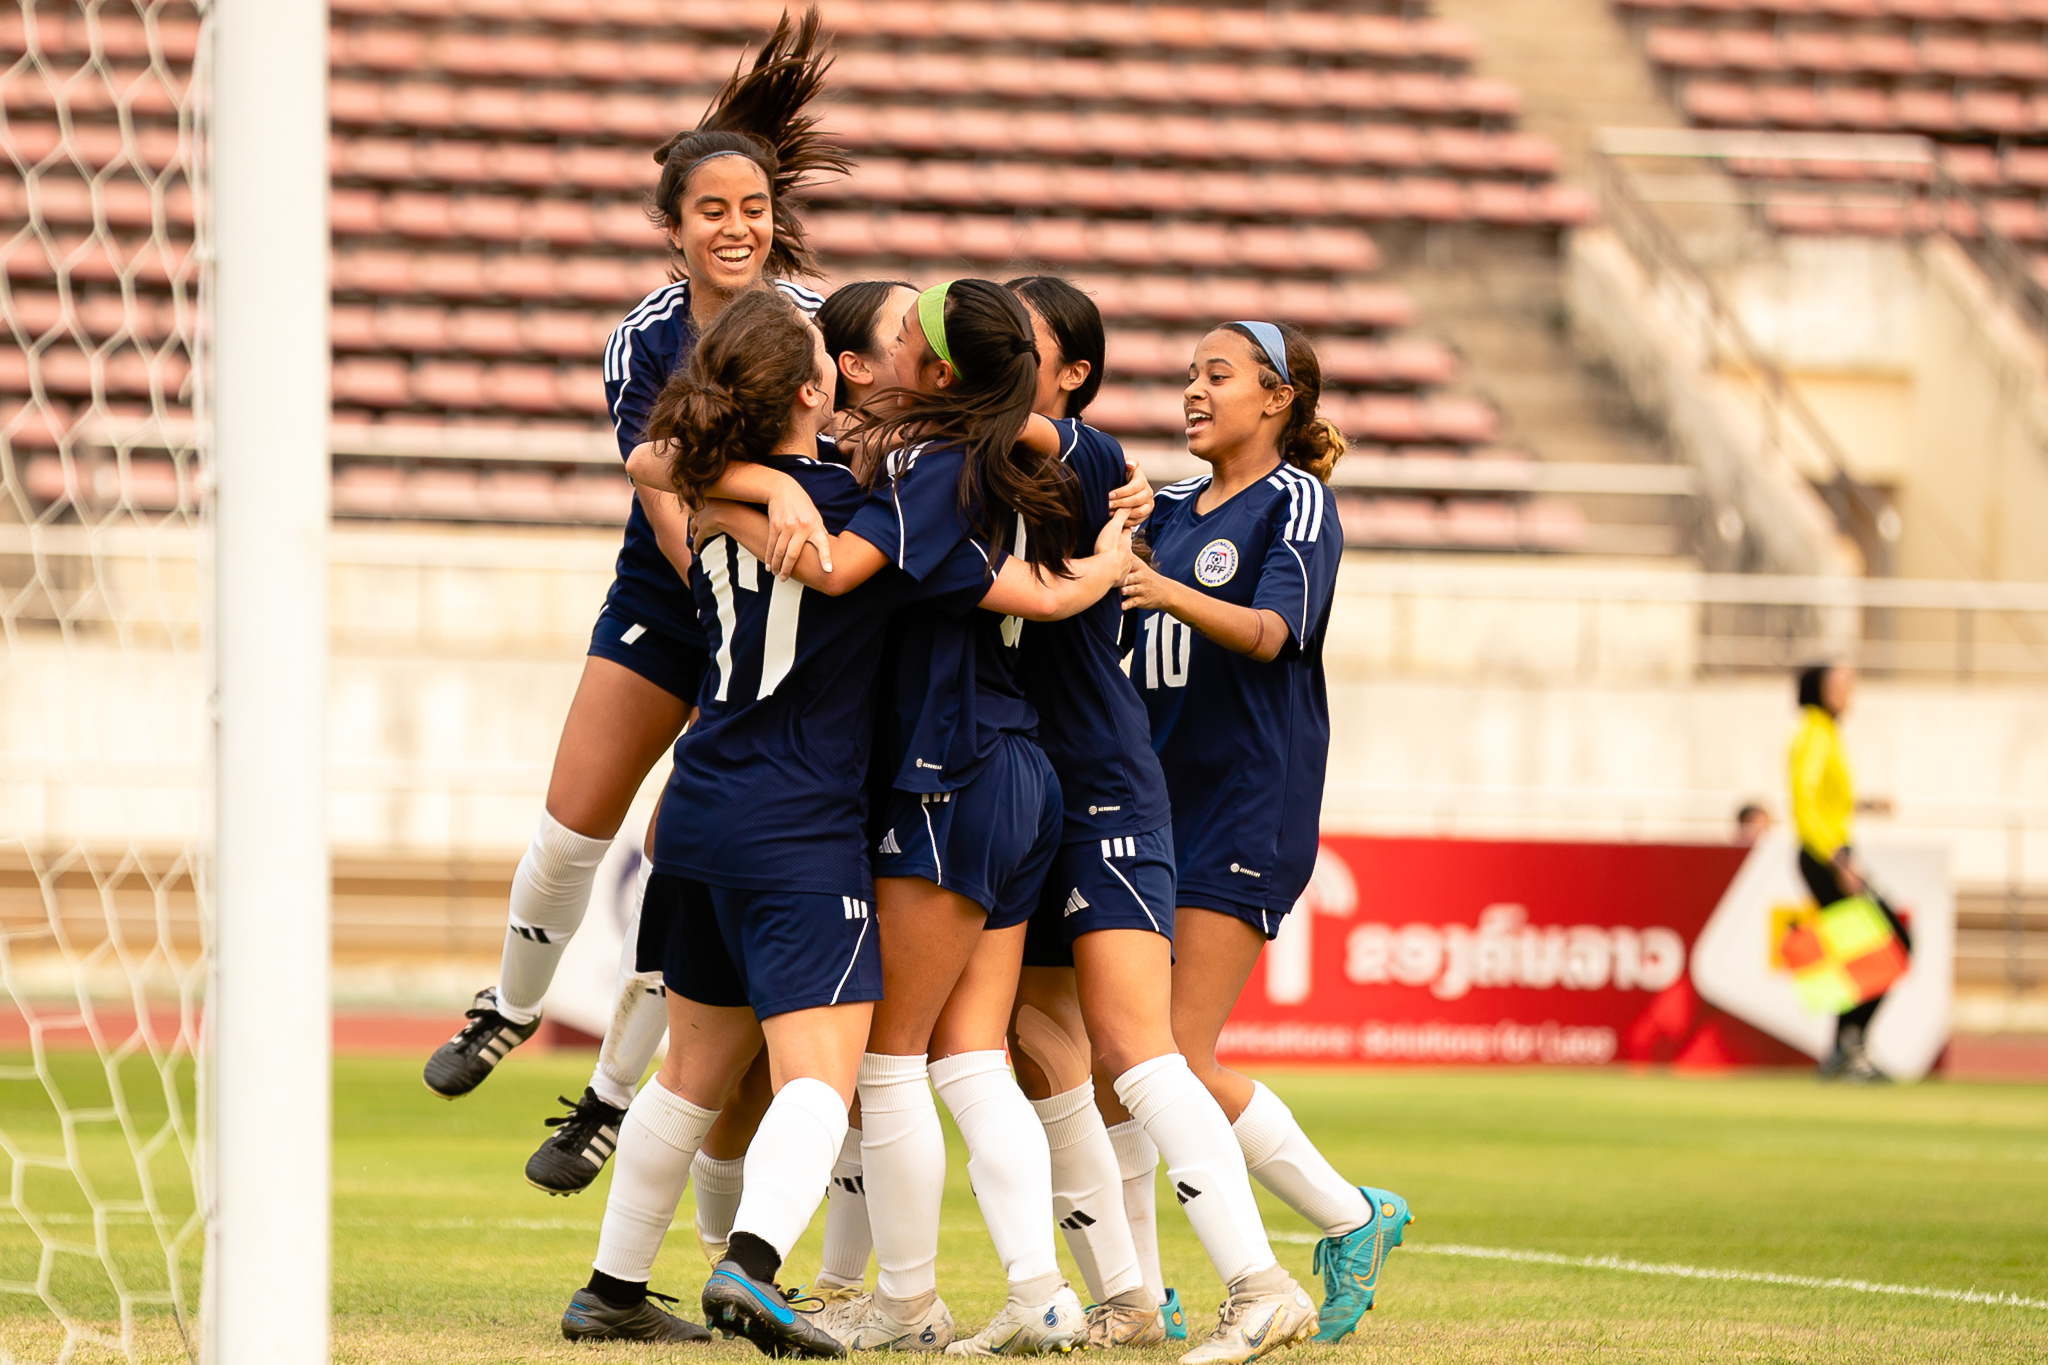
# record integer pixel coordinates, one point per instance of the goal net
(104, 731)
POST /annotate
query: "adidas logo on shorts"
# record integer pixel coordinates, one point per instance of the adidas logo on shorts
(854, 909)
(889, 844)
(1076, 901)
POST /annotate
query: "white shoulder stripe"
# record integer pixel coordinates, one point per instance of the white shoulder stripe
(1308, 499)
(657, 307)
(807, 299)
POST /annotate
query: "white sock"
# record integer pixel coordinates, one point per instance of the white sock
(1280, 1156)
(847, 1238)
(718, 1185)
(789, 1162)
(903, 1162)
(1008, 1164)
(639, 1018)
(550, 892)
(651, 1170)
(1203, 1163)
(1087, 1196)
(1137, 1164)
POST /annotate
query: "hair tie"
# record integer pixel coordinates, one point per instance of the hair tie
(1273, 344)
(711, 156)
(931, 319)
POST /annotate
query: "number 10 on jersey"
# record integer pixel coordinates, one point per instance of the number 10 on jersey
(1172, 651)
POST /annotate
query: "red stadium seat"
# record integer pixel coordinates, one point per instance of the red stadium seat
(1995, 111)
(946, 182)
(1789, 106)
(457, 384)
(349, 326)
(1857, 106)
(1889, 53)
(519, 387)
(574, 335)
(984, 237)
(2027, 166)
(1818, 50)
(488, 331)
(1723, 103)
(371, 382)
(1953, 56)
(408, 327)
(1930, 111)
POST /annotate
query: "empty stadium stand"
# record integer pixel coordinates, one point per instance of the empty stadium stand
(1972, 75)
(490, 161)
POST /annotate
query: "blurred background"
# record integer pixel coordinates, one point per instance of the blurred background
(1680, 345)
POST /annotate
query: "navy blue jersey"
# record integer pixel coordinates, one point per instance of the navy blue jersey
(1244, 744)
(767, 788)
(955, 684)
(643, 352)
(1090, 721)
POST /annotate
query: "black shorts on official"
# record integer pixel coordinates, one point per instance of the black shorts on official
(776, 951)
(991, 841)
(1116, 883)
(672, 665)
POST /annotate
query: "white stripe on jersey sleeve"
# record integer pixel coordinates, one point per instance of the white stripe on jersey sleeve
(1185, 488)
(713, 558)
(1309, 496)
(656, 307)
(807, 299)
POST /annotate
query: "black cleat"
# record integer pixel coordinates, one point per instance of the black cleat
(739, 1305)
(578, 1148)
(590, 1318)
(459, 1065)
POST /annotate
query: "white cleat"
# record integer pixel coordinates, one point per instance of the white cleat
(1254, 1325)
(1112, 1325)
(844, 1306)
(1056, 1326)
(872, 1329)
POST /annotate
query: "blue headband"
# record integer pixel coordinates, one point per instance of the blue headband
(1272, 343)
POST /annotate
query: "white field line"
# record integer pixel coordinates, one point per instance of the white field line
(1694, 1272)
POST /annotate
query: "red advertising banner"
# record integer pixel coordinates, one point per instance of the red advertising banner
(1493, 952)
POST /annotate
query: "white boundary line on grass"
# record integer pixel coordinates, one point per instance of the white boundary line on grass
(1693, 1272)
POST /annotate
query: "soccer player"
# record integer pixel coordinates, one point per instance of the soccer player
(1107, 911)
(1229, 659)
(973, 820)
(724, 199)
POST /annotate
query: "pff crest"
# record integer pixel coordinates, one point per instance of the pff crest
(1216, 564)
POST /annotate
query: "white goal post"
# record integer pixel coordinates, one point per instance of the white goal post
(266, 1106)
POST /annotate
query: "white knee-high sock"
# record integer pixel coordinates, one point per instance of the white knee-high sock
(1280, 1157)
(550, 892)
(639, 1016)
(1007, 1163)
(789, 1162)
(847, 1238)
(651, 1170)
(1203, 1163)
(903, 1162)
(718, 1185)
(1137, 1164)
(1087, 1193)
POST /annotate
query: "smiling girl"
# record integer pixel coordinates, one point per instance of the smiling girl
(1232, 612)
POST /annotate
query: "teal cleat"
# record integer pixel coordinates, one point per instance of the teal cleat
(1174, 1316)
(1350, 1264)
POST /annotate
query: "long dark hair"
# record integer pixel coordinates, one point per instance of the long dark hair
(848, 321)
(1308, 442)
(760, 114)
(1810, 683)
(731, 401)
(1076, 324)
(995, 377)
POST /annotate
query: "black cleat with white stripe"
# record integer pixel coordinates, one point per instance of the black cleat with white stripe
(578, 1148)
(459, 1065)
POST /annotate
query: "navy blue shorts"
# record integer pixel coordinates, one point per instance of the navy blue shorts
(991, 841)
(776, 951)
(1115, 883)
(670, 664)
(1258, 917)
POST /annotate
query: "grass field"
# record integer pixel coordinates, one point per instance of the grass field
(442, 1252)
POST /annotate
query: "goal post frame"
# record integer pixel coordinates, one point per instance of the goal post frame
(266, 1174)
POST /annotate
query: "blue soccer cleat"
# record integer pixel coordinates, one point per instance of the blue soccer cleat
(738, 1305)
(1350, 1264)
(1174, 1316)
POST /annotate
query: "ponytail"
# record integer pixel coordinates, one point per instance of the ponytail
(1309, 442)
(732, 401)
(986, 336)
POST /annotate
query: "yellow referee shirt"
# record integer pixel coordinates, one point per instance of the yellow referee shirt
(1823, 794)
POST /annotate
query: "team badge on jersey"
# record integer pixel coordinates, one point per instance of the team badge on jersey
(1216, 564)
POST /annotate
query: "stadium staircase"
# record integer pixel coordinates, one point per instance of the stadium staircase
(489, 157)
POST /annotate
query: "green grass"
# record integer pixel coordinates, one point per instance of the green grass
(442, 1252)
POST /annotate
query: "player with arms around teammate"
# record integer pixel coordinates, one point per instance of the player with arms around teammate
(1107, 911)
(972, 823)
(723, 198)
(1228, 656)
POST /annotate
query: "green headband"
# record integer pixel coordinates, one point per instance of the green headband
(931, 317)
